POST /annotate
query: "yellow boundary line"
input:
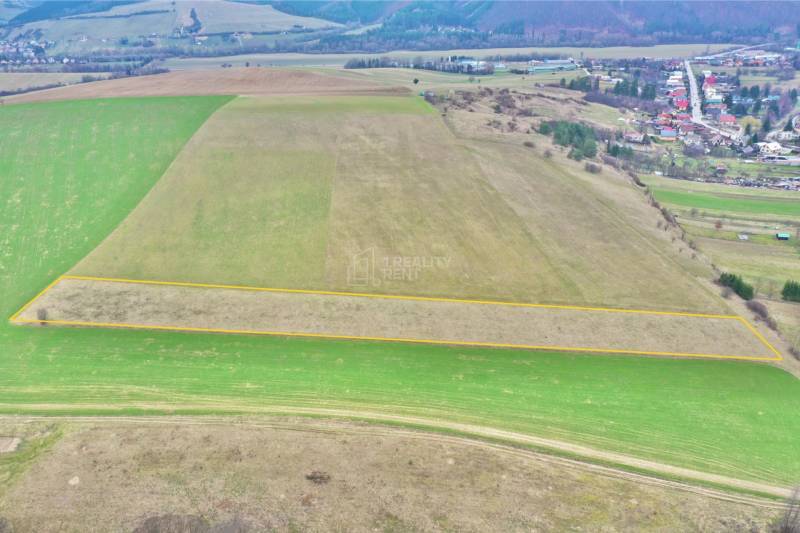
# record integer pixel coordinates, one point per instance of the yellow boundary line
(778, 357)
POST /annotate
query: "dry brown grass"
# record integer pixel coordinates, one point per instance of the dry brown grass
(125, 474)
(104, 302)
(236, 81)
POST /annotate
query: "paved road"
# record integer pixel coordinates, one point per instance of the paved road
(696, 104)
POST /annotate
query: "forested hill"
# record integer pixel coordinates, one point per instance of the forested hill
(592, 23)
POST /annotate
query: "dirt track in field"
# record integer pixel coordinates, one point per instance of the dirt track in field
(252, 81)
(118, 472)
(91, 302)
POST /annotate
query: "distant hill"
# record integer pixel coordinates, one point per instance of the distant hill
(591, 23)
(89, 27)
(103, 26)
(343, 11)
(63, 8)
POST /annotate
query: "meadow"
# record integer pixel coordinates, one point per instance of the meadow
(445, 81)
(715, 215)
(383, 176)
(71, 187)
(291, 59)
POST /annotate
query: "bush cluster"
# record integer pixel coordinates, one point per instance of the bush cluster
(791, 291)
(762, 313)
(745, 290)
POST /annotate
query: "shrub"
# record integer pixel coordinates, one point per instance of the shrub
(795, 352)
(761, 311)
(529, 144)
(593, 168)
(744, 290)
(635, 177)
(576, 154)
(791, 291)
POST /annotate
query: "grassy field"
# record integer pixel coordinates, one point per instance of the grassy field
(444, 81)
(732, 203)
(382, 176)
(732, 418)
(714, 215)
(297, 59)
(383, 479)
(91, 148)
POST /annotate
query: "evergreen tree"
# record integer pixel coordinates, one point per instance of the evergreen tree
(791, 291)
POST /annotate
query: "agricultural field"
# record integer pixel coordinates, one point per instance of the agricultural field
(714, 216)
(717, 214)
(444, 81)
(382, 175)
(14, 81)
(284, 191)
(333, 60)
(234, 81)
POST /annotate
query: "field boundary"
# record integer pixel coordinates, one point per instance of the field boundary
(16, 318)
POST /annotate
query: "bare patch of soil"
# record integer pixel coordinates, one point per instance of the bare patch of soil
(235, 81)
(199, 475)
(9, 444)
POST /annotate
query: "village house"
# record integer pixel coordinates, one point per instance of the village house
(668, 134)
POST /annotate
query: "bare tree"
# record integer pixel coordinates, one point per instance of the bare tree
(790, 523)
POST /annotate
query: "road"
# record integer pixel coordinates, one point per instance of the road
(696, 102)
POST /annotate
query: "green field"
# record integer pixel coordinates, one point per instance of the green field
(70, 188)
(731, 203)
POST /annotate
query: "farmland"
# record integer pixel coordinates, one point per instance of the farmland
(676, 411)
(222, 82)
(365, 183)
(715, 215)
(735, 203)
(14, 81)
(297, 59)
